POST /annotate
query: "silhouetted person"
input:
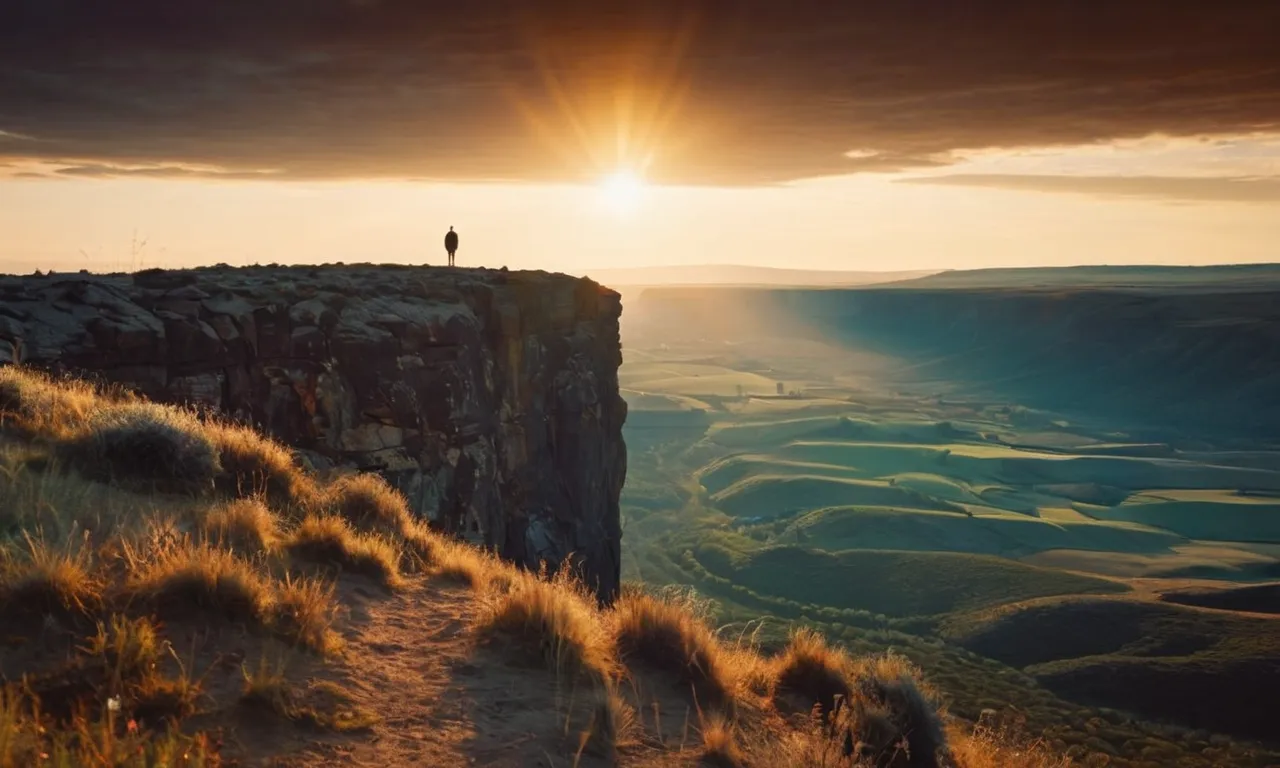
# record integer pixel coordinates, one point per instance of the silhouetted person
(451, 244)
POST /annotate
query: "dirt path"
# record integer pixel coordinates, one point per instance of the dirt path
(440, 700)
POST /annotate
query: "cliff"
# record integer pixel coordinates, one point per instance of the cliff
(490, 398)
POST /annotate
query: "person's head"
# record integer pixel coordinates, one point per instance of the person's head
(450, 229)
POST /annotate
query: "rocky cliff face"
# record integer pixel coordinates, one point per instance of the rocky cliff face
(489, 397)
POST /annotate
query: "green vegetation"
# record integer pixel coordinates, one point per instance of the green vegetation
(896, 584)
(938, 529)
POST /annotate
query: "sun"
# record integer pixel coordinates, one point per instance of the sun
(622, 191)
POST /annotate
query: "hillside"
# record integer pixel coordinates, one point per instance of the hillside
(1200, 361)
(179, 591)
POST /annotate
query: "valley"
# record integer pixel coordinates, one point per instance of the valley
(1095, 575)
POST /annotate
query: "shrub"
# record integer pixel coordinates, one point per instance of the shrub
(243, 524)
(189, 580)
(813, 670)
(147, 447)
(553, 620)
(369, 503)
(252, 465)
(893, 716)
(329, 541)
(668, 636)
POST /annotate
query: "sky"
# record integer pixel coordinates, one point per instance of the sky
(571, 135)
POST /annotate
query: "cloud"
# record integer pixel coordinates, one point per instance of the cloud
(1264, 189)
(695, 91)
(99, 170)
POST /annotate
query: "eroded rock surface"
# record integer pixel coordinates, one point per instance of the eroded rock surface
(489, 397)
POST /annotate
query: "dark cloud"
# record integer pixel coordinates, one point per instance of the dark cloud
(1263, 189)
(717, 91)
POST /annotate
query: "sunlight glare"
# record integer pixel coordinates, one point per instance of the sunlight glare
(622, 191)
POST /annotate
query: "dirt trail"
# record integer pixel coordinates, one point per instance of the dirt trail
(439, 700)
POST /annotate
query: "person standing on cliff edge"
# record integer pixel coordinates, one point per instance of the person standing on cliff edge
(451, 243)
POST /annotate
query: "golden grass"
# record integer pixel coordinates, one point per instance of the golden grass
(125, 646)
(146, 447)
(246, 525)
(369, 503)
(40, 581)
(305, 610)
(668, 636)
(329, 541)
(552, 619)
(892, 710)
(252, 465)
(812, 670)
(188, 580)
(986, 748)
(28, 738)
(719, 742)
(464, 564)
(267, 689)
(36, 405)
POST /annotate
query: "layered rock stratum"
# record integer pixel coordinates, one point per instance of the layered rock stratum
(490, 398)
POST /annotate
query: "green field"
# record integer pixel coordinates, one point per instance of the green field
(1010, 551)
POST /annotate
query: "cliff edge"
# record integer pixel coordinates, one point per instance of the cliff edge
(489, 398)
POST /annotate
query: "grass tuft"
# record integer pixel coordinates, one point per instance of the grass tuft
(305, 610)
(667, 636)
(369, 503)
(330, 541)
(812, 670)
(719, 745)
(893, 711)
(191, 580)
(553, 620)
(325, 706)
(245, 525)
(36, 405)
(145, 447)
(41, 581)
(252, 465)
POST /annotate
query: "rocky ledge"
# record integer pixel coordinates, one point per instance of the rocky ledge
(489, 397)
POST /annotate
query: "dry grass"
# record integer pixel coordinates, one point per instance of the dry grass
(29, 738)
(246, 525)
(893, 717)
(369, 503)
(188, 580)
(326, 706)
(553, 620)
(988, 748)
(305, 610)
(330, 542)
(126, 646)
(719, 742)
(36, 405)
(460, 563)
(668, 636)
(812, 670)
(38, 581)
(252, 465)
(144, 447)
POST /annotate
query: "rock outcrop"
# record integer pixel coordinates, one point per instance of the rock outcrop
(489, 397)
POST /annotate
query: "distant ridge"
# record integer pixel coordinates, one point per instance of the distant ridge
(1217, 277)
(734, 274)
